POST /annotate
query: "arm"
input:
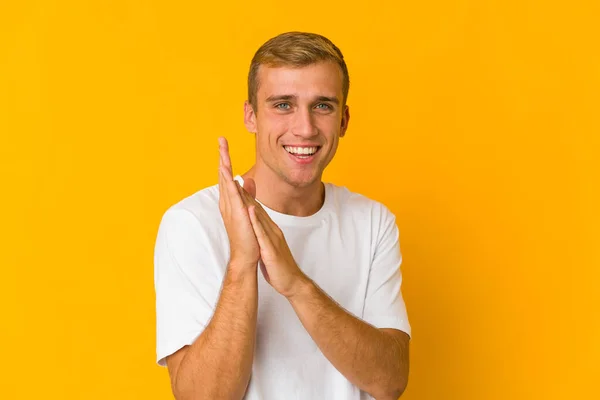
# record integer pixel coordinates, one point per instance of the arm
(218, 364)
(375, 360)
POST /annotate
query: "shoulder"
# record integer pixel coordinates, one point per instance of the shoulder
(200, 209)
(356, 205)
(204, 201)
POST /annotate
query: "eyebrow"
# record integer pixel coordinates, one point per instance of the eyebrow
(333, 99)
(273, 98)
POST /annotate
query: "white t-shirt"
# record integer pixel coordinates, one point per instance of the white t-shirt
(350, 248)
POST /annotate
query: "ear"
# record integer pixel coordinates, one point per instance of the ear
(345, 120)
(249, 117)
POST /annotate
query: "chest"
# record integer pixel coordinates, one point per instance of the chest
(335, 255)
(337, 258)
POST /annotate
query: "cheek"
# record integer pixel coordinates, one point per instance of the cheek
(330, 128)
(330, 122)
(273, 126)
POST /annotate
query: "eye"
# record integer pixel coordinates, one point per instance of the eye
(282, 106)
(323, 106)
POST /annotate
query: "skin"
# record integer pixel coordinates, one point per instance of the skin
(303, 119)
(218, 364)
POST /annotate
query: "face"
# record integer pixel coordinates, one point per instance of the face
(298, 121)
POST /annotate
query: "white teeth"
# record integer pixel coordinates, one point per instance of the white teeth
(301, 150)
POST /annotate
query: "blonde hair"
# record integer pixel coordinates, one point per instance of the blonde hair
(295, 49)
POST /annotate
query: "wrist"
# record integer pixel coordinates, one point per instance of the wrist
(239, 270)
(302, 289)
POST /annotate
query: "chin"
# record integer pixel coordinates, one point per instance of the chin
(301, 180)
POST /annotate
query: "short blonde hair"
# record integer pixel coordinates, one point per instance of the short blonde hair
(295, 49)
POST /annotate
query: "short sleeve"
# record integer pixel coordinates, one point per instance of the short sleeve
(186, 280)
(384, 304)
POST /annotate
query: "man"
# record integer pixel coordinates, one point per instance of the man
(325, 319)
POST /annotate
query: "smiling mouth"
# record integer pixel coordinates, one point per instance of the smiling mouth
(302, 152)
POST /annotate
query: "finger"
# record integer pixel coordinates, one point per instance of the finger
(225, 158)
(269, 226)
(250, 200)
(224, 173)
(263, 238)
(223, 190)
(271, 229)
(263, 268)
(262, 215)
(250, 187)
(233, 194)
(246, 199)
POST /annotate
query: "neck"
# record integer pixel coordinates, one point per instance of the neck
(280, 196)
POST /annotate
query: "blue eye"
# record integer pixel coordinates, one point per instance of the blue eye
(323, 108)
(282, 104)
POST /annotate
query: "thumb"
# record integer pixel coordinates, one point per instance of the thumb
(264, 271)
(250, 187)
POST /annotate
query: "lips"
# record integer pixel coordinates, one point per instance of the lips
(301, 150)
(301, 156)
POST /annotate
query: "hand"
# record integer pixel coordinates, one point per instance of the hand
(248, 193)
(277, 263)
(244, 248)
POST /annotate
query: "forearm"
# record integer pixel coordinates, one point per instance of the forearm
(219, 363)
(368, 357)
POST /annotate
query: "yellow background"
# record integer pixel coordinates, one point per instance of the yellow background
(476, 122)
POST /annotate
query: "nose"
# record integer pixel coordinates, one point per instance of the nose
(304, 124)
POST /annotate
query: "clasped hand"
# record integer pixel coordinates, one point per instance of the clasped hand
(253, 236)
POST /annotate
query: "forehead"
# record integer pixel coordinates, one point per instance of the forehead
(320, 79)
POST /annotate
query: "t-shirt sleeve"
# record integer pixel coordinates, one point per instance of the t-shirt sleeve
(185, 281)
(384, 304)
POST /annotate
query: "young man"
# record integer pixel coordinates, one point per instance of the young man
(325, 319)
